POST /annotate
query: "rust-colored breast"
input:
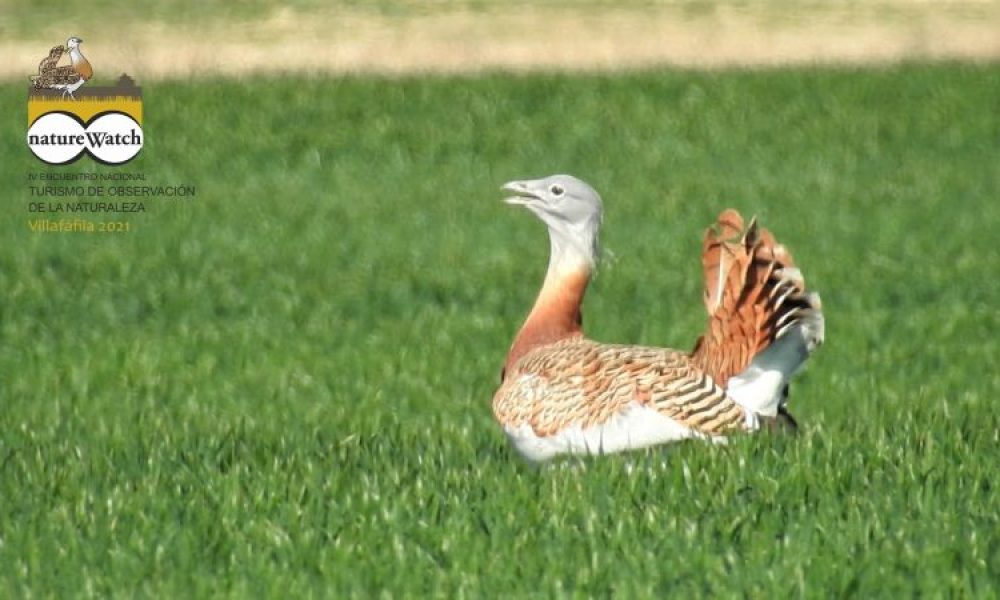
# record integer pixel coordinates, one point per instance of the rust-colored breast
(85, 70)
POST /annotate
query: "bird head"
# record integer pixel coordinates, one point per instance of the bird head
(73, 42)
(570, 208)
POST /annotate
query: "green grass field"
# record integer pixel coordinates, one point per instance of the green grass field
(282, 387)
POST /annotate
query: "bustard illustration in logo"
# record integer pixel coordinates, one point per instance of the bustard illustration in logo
(67, 78)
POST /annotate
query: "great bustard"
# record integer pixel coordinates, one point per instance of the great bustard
(562, 393)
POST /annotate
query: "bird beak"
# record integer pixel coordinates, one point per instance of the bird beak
(521, 194)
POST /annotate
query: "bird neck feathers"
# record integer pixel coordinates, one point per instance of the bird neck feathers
(573, 247)
(556, 313)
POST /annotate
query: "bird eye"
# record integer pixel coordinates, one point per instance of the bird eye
(556, 190)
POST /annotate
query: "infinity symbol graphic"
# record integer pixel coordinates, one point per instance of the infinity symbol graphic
(59, 138)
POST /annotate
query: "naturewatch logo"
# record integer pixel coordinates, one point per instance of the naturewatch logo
(67, 120)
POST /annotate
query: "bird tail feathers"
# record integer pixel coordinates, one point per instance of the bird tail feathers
(763, 321)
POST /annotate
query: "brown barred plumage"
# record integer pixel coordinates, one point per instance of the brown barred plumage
(752, 292)
(588, 382)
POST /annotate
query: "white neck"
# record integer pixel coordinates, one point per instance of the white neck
(75, 55)
(572, 248)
